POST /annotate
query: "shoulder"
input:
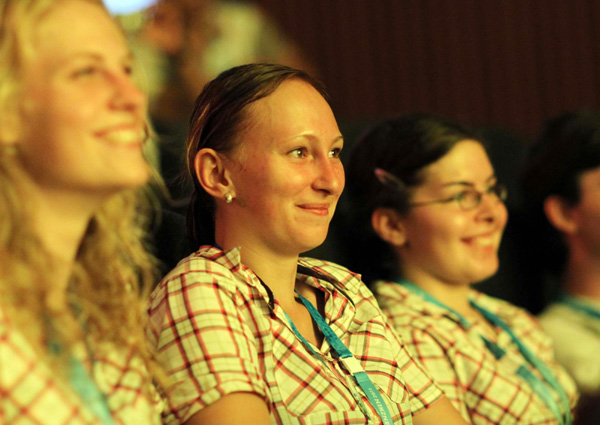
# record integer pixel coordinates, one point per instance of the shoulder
(209, 277)
(207, 266)
(407, 309)
(334, 273)
(511, 314)
(523, 324)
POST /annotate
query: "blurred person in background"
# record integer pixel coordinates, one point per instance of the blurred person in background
(426, 213)
(182, 45)
(73, 269)
(561, 186)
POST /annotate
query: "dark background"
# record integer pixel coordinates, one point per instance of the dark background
(503, 63)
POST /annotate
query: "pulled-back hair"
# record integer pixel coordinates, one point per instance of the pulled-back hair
(402, 146)
(219, 118)
(112, 273)
(569, 145)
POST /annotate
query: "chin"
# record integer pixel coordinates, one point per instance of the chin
(482, 275)
(137, 179)
(305, 247)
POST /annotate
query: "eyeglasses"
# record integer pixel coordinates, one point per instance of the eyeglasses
(468, 199)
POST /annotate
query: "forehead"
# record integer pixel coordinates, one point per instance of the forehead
(467, 161)
(295, 108)
(74, 27)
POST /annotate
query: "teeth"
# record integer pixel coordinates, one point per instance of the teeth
(484, 241)
(124, 137)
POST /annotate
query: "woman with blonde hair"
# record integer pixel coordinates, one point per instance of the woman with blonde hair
(73, 269)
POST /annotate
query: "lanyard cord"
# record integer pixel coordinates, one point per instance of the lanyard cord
(580, 306)
(91, 395)
(85, 386)
(539, 387)
(350, 363)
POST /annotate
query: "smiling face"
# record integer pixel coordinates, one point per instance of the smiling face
(445, 244)
(286, 172)
(82, 117)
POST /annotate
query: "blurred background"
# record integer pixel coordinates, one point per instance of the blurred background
(500, 66)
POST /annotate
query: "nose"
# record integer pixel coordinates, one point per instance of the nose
(329, 176)
(491, 208)
(127, 95)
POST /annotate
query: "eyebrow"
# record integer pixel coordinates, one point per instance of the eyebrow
(315, 138)
(338, 139)
(470, 184)
(96, 56)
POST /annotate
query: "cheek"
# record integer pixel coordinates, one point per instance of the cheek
(437, 232)
(589, 218)
(502, 216)
(55, 115)
(341, 175)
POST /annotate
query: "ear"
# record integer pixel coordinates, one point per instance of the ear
(212, 173)
(389, 225)
(560, 215)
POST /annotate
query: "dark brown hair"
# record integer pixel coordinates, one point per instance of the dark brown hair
(219, 117)
(402, 146)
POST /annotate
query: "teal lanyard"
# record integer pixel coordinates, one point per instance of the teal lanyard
(539, 387)
(580, 306)
(85, 386)
(350, 363)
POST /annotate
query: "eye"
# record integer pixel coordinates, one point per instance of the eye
(466, 195)
(335, 153)
(298, 152)
(85, 71)
(499, 190)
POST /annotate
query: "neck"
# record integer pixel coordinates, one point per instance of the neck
(582, 275)
(277, 271)
(60, 221)
(453, 295)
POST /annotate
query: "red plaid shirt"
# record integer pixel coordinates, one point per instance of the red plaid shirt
(30, 393)
(485, 390)
(218, 331)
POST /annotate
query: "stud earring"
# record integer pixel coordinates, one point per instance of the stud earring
(228, 198)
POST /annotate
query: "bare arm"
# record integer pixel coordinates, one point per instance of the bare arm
(442, 412)
(233, 409)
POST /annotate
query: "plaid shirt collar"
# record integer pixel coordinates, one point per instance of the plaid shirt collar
(427, 308)
(311, 274)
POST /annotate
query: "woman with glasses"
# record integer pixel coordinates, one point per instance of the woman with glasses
(428, 214)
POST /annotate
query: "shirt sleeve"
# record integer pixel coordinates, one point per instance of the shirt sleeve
(427, 350)
(422, 391)
(202, 340)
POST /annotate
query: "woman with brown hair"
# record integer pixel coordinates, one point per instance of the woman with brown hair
(249, 331)
(428, 214)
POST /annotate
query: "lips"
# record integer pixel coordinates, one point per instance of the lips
(318, 209)
(489, 239)
(122, 135)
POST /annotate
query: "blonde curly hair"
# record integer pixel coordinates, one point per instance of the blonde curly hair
(113, 271)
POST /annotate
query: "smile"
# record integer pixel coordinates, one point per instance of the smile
(484, 241)
(125, 137)
(321, 210)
